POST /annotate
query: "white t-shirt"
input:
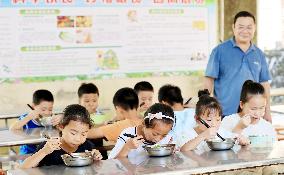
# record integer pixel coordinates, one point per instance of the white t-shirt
(262, 128)
(134, 153)
(189, 134)
(184, 120)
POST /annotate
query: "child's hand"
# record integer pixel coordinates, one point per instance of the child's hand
(210, 133)
(96, 154)
(56, 119)
(242, 140)
(52, 145)
(134, 142)
(176, 149)
(34, 114)
(245, 121)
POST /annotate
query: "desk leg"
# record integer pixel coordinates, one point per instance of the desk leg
(6, 123)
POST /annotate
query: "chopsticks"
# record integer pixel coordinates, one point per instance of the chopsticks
(48, 137)
(146, 142)
(33, 109)
(207, 126)
(187, 101)
(129, 135)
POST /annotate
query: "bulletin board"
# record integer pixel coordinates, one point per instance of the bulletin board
(40, 39)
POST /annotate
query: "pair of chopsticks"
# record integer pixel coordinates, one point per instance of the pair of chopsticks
(207, 126)
(48, 137)
(187, 101)
(145, 142)
(33, 109)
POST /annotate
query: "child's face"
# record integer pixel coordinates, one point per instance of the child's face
(147, 98)
(44, 108)
(75, 133)
(90, 102)
(158, 132)
(255, 106)
(212, 118)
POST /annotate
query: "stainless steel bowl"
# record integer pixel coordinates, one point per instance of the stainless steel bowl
(219, 145)
(160, 150)
(45, 121)
(78, 159)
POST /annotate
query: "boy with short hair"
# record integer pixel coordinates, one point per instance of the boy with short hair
(88, 94)
(171, 95)
(43, 106)
(125, 102)
(145, 92)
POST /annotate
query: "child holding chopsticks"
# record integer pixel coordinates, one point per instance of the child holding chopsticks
(75, 126)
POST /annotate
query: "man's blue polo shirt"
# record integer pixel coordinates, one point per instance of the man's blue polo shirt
(231, 67)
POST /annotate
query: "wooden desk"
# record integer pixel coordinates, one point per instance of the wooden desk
(278, 127)
(280, 137)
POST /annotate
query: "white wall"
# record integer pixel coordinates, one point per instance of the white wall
(269, 23)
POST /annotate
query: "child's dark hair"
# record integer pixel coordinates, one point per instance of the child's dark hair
(87, 88)
(77, 113)
(249, 89)
(42, 95)
(243, 14)
(143, 86)
(126, 98)
(159, 108)
(170, 94)
(205, 103)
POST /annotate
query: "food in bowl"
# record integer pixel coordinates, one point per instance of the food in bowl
(159, 150)
(219, 145)
(77, 159)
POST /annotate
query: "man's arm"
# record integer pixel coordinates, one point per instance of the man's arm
(209, 84)
(267, 115)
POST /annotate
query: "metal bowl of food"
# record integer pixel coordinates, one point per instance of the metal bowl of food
(219, 145)
(45, 121)
(77, 159)
(159, 150)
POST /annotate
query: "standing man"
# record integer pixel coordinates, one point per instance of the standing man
(233, 62)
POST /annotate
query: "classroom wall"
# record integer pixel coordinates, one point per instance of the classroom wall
(14, 97)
